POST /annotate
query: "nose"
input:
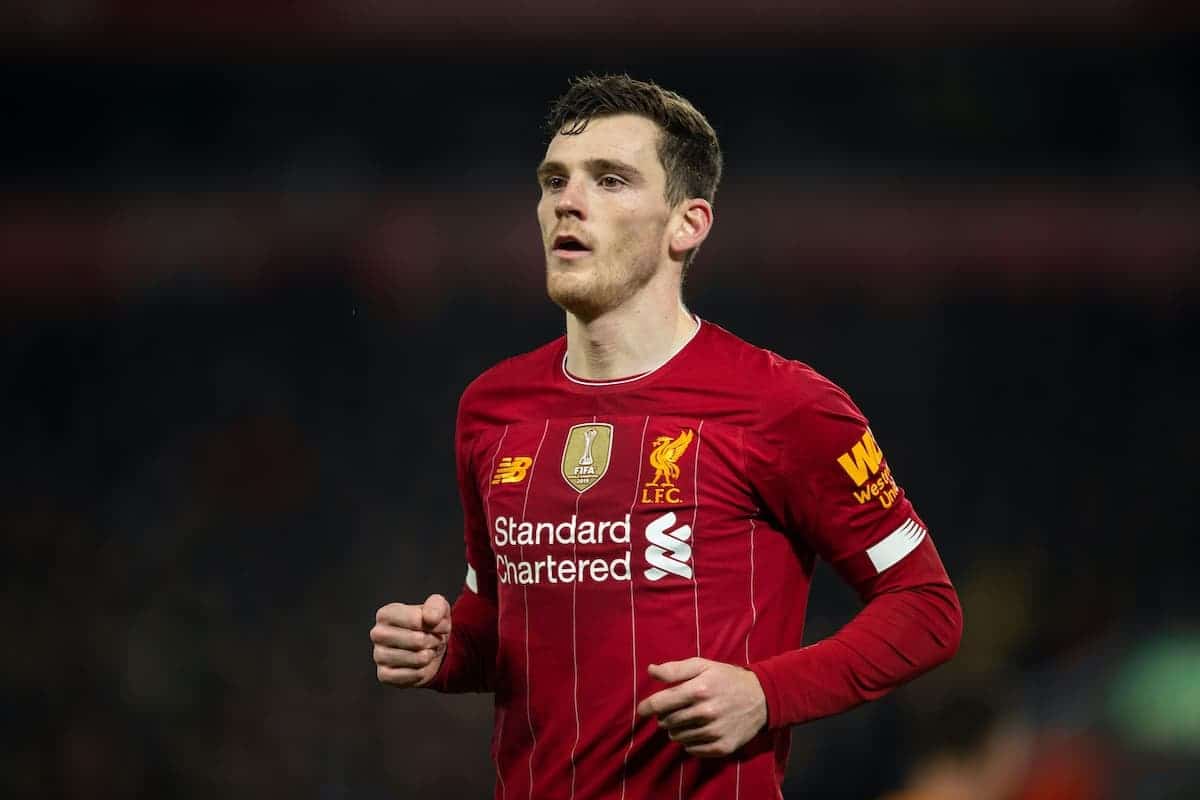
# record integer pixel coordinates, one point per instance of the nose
(570, 201)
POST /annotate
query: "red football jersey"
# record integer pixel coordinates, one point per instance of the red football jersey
(612, 525)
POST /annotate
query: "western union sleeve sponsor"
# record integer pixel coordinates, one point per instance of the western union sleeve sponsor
(863, 460)
(863, 463)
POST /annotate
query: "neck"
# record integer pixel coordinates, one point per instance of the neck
(633, 338)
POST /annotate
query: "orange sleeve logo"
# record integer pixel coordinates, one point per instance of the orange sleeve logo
(864, 462)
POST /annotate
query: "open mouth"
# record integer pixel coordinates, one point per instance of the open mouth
(567, 245)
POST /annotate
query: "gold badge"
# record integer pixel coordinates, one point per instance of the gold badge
(665, 460)
(586, 456)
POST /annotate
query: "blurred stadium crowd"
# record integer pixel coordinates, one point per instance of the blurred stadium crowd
(249, 258)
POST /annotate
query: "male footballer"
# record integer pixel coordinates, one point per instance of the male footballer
(645, 499)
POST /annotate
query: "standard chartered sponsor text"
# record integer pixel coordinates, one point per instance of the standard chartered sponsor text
(511, 533)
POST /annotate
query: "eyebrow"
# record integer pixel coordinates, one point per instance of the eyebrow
(595, 166)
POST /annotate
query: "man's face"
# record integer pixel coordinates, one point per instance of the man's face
(603, 213)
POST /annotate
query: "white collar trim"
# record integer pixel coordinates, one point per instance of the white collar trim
(639, 376)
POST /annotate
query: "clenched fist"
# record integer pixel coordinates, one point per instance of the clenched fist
(712, 709)
(410, 641)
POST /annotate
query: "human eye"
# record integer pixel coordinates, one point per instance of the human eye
(611, 181)
(553, 183)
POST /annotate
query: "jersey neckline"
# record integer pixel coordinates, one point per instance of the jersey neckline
(630, 381)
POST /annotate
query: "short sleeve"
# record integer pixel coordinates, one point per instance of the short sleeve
(825, 476)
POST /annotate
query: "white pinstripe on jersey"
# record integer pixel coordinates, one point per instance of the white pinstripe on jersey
(525, 594)
(487, 514)
(637, 484)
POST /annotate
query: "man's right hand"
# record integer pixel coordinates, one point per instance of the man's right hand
(410, 641)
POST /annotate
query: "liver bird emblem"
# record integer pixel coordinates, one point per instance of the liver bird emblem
(666, 453)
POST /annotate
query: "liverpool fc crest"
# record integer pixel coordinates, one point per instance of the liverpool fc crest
(586, 454)
(665, 460)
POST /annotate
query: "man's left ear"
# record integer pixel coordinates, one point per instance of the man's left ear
(694, 222)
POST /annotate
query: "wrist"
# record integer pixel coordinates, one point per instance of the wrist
(770, 694)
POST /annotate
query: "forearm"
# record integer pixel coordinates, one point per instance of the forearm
(469, 664)
(897, 636)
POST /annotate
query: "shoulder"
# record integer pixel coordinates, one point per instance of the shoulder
(786, 392)
(492, 395)
(799, 414)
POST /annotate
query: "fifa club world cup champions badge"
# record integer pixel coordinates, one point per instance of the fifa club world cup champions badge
(587, 454)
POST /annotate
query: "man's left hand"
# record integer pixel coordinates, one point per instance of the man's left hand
(712, 710)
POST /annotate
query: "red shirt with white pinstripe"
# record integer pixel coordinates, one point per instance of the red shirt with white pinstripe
(678, 513)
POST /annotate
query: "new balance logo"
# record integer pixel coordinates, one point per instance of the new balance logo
(512, 470)
(669, 552)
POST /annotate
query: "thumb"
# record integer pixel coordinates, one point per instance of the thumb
(676, 671)
(435, 614)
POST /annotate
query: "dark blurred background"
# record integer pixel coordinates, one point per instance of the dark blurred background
(250, 253)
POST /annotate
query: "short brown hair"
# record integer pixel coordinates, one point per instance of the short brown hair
(688, 147)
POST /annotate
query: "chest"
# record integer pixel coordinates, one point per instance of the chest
(601, 486)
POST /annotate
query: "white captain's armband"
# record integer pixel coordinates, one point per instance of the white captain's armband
(896, 545)
(472, 581)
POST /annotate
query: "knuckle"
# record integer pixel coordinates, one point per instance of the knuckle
(393, 676)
